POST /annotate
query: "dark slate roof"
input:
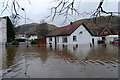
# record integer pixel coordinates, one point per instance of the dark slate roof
(66, 30)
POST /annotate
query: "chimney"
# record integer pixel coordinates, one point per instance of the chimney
(71, 23)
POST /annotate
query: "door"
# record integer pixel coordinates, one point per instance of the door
(55, 41)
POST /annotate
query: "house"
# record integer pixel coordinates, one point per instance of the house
(20, 35)
(32, 37)
(3, 30)
(75, 33)
(107, 34)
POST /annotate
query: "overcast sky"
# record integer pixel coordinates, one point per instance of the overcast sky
(38, 10)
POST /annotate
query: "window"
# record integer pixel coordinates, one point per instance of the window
(74, 38)
(22, 35)
(103, 38)
(57, 39)
(64, 38)
(80, 32)
(105, 33)
(50, 39)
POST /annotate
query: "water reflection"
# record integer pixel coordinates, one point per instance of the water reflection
(1, 51)
(109, 53)
(84, 53)
(10, 56)
(71, 53)
(80, 61)
(42, 53)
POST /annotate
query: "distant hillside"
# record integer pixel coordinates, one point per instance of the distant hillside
(98, 24)
(33, 27)
(25, 27)
(104, 21)
(94, 24)
(40, 29)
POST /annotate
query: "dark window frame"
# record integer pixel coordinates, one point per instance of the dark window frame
(81, 32)
(64, 39)
(74, 38)
(50, 38)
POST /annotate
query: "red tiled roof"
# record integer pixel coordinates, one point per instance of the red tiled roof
(105, 30)
(66, 30)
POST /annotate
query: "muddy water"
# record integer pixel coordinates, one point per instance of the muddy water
(60, 62)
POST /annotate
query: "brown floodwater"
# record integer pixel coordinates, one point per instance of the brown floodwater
(80, 61)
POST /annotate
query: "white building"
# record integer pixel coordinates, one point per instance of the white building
(20, 35)
(111, 38)
(33, 37)
(3, 30)
(75, 33)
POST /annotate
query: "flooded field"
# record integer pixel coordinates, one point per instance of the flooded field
(82, 61)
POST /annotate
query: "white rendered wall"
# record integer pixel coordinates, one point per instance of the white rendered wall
(3, 31)
(50, 42)
(84, 38)
(96, 39)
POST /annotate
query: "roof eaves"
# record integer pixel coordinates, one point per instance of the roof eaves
(57, 35)
(87, 29)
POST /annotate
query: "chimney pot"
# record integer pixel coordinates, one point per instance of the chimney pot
(71, 23)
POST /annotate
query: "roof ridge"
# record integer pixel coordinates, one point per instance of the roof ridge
(65, 30)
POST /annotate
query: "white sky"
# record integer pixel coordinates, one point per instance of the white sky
(40, 9)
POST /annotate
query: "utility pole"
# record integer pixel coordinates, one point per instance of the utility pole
(25, 28)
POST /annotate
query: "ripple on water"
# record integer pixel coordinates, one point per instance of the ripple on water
(88, 61)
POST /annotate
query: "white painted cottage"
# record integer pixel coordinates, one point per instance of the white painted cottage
(3, 30)
(75, 33)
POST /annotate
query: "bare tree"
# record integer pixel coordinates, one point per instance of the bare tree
(100, 11)
(13, 7)
(63, 7)
(15, 20)
(42, 29)
(67, 8)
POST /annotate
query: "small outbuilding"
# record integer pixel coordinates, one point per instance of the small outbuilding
(111, 38)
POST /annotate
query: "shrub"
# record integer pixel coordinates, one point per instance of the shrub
(33, 42)
(15, 43)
